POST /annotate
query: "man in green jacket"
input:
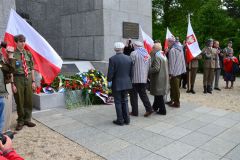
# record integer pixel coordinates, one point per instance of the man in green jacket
(23, 83)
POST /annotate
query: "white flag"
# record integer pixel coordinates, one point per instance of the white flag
(192, 49)
(147, 41)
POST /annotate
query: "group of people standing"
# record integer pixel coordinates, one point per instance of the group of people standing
(129, 72)
(132, 66)
(215, 61)
(17, 69)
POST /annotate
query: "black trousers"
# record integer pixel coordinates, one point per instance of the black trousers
(158, 104)
(121, 106)
(139, 88)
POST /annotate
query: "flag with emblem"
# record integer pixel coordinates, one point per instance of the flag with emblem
(192, 47)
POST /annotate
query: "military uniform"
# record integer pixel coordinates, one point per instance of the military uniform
(23, 96)
(191, 74)
(209, 60)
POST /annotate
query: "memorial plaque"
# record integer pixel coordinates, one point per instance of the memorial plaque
(69, 69)
(130, 30)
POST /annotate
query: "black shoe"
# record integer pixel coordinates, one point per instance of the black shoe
(217, 89)
(126, 122)
(161, 112)
(188, 91)
(192, 91)
(118, 123)
(155, 109)
(169, 103)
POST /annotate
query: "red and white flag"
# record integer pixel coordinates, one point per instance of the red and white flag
(192, 47)
(168, 35)
(46, 60)
(147, 41)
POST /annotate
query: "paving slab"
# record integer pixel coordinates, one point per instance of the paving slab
(129, 153)
(195, 139)
(199, 154)
(154, 143)
(189, 132)
(218, 146)
(234, 154)
(175, 151)
(154, 157)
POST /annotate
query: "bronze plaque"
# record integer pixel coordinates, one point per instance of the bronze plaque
(130, 30)
(69, 69)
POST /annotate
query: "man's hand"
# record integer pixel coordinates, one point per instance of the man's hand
(14, 88)
(33, 86)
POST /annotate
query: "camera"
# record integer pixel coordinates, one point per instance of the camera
(3, 44)
(10, 134)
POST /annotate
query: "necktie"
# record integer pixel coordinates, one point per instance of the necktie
(24, 64)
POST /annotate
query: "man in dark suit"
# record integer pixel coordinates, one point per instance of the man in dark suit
(120, 74)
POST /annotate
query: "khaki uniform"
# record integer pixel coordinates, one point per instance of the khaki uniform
(23, 97)
(209, 60)
(193, 67)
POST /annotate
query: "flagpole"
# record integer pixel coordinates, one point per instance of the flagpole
(189, 66)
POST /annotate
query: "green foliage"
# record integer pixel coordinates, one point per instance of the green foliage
(217, 19)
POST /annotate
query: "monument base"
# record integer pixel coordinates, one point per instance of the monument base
(45, 101)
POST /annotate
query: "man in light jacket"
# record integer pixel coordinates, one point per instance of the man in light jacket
(141, 63)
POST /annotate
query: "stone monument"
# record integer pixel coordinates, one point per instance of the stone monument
(83, 30)
(86, 29)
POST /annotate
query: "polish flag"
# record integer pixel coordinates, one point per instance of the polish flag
(192, 47)
(147, 41)
(46, 60)
(168, 35)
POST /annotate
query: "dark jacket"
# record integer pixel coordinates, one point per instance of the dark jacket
(5, 75)
(120, 72)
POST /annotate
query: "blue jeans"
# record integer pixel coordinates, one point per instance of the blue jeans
(1, 113)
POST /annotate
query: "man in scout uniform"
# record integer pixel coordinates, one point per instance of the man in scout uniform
(209, 59)
(23, 83)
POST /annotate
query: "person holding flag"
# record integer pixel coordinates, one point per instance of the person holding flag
(23, 83)
(192, 56)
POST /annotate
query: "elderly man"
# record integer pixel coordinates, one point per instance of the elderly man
(141, 63)
(159, 79)
(176, 68)
(120, 74)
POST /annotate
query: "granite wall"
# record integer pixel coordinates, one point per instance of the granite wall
(85, 29)
(5, 6)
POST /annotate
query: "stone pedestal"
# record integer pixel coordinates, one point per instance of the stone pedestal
(44, 101)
